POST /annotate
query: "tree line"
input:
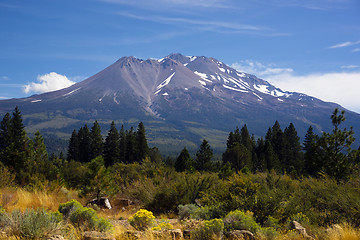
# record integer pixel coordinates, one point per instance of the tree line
(124, 146)
(280, 151)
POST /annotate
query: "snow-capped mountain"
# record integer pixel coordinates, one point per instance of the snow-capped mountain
(180, 99)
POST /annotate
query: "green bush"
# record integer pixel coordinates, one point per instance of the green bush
(142, 220)
(207, 213)
(212, 229)
(69, 207)
(34, 224)
(187, 211)
(86, 219)
(238, 220)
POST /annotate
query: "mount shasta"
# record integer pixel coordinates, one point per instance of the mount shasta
(179, 99)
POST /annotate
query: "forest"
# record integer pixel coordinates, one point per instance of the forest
(271, 180)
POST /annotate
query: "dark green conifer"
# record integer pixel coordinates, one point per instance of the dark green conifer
(84, 144)
(184, 162)
(97, 144)
(203, 156)
(122, 147)
(293, 161)
(73, 149)
(142, 146)
(111, 146)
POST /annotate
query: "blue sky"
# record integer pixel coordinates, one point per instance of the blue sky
(309, 46)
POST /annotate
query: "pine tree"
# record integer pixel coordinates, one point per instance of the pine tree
(142, 146)
(122, 147)
(203, 156)
(5, 137)
(84, 144)
(277, 141)
(260, 163)
(234, 137)
(309, 152)
(239, 157)
(334, 151)
(131, 146)
(73, 149)
(184, 162)
(246, 139)
(96, 143)
(40, 153)
(272, 160)
(111, 146)
(292, 151)
(17, 150)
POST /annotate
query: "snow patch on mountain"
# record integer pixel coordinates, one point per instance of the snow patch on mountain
(234, 89)
(69, 93)
(165, 82)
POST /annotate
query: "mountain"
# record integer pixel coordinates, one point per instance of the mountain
(180, 99)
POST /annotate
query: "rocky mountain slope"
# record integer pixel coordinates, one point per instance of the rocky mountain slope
(180, 99)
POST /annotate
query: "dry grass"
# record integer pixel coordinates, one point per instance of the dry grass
(21, 199)
(342, 232)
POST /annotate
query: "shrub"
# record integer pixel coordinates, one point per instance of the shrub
(238, 220)
(268, 233)
(84, 218)
(142, 220)
(163, 225)
(212, 229)
(207, 213)
(187, 211)
(87, 219)
(34, 224)
(69, 207)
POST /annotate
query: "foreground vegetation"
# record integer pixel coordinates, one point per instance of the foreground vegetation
(260, 186)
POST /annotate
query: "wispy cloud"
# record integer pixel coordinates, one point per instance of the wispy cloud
(339, 87)
(345, 44)
(260, 70)
(48, 82)
(356, 50)
(350, 66)
(206, 25)
(169, 3)
(4, 78)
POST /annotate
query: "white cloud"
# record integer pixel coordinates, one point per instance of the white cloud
(260, 70)
(345, 44)
(356, 50)
(4, 78)
(350, 66)
(339, 87)
(47, 83)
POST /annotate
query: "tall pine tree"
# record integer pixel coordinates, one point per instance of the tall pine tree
(73, 149)
(142, 146)
(96, 143)
(293, 160)
(184, 162)
(111, 147)
(203, 156)
(84, 144)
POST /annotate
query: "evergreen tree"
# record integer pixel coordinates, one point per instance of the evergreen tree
(84, 144)
(246, 139)
(111, 147)
(5, 138)
(272, 160)
(184, 162)
(122, 147)
(131, 146)
(333, 150)
(234, 137)
(17, 150)
(203, 156)
(292, 151)
(96, 143)
(309, 152)
(40, 153)
(277, 141)
(142, 146)
(239, 156)
(5, 128)
(73, 149)
(260, 163)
